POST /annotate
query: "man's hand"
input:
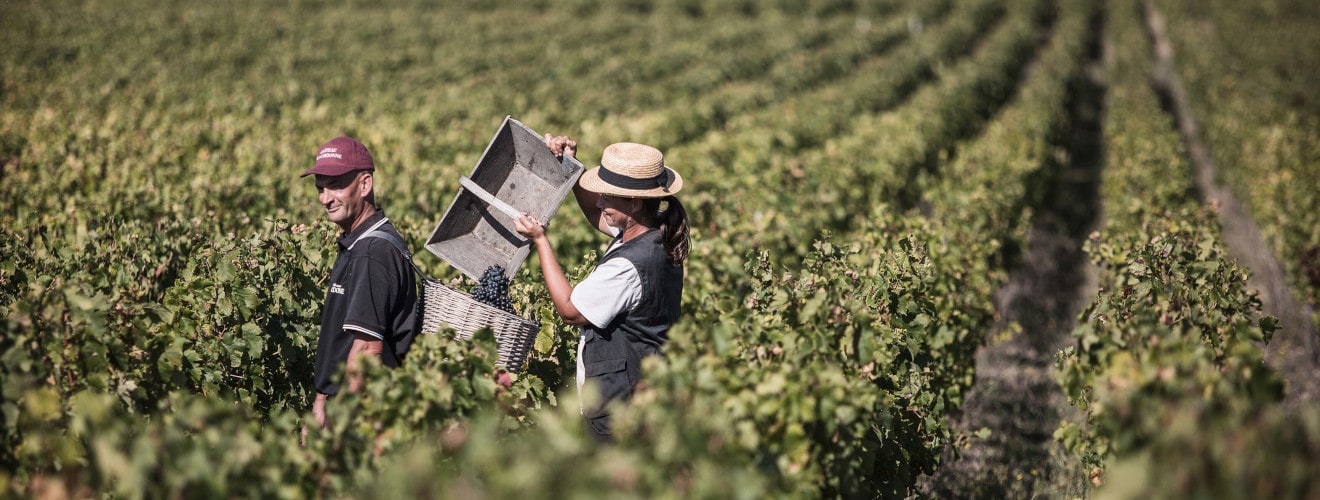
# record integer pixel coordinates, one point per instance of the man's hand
(318, 410)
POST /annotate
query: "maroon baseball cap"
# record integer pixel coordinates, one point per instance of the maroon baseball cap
(340, 156)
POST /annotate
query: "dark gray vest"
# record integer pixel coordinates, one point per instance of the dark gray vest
(647, 326)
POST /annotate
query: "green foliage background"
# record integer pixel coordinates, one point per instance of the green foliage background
(860, 178)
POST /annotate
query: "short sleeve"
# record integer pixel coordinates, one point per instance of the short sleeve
(372, 296)
(612, 288)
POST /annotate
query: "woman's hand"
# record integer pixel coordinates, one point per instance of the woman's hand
(561, 145)
(530, 227)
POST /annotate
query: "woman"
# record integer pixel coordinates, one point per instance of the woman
(627, 304)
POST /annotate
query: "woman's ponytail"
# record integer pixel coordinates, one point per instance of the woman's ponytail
(674, 230)
(673, 227)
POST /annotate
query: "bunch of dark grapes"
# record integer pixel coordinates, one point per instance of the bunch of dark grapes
(493, 289)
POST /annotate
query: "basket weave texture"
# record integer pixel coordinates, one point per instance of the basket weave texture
(443, 305)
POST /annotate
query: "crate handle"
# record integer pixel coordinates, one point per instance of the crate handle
(490, 199)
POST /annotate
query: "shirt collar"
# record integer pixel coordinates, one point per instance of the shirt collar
(374, 221)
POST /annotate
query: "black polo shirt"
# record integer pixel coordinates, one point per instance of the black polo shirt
(372, 291)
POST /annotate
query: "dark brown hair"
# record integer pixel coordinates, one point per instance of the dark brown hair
(673, 226)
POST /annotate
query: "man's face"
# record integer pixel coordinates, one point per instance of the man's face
(344, 197)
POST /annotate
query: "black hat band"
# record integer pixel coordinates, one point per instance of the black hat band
(623, 181)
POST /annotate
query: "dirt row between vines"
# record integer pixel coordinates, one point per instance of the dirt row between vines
(1293, 352)
(1016, 396)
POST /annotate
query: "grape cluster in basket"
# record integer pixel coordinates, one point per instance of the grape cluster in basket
(493, 289)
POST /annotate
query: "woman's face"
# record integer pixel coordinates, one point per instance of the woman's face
(617, 210)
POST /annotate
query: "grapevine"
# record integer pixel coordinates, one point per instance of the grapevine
(864, 174)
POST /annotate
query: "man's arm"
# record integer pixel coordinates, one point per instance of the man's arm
(363, 345)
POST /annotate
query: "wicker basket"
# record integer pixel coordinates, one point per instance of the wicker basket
(443, 305)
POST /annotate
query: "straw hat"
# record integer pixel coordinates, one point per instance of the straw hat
(634, 171)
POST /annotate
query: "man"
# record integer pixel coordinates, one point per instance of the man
(369, 308)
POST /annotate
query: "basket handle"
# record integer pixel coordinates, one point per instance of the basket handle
(398, 245)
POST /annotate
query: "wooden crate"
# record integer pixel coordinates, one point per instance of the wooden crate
(519, 171)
